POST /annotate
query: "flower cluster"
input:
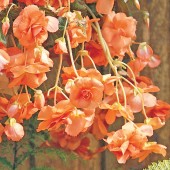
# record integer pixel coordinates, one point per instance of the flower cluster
(84, 99)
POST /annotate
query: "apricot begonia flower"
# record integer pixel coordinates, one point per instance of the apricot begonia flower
(86, 92)
(118, 31)
(136, 66)
(128, 141)
(155, 122)
(79, 28)
(99, 127)
(20, 107)
(148, 148)
(53, 117)
(29, 68)
(135, 101)
(160, 110)
(102, 6)
(96, 53)
(30, 27)
(146, 55)
(78, 144)
(14, 130)
(78, 122)
(56, 4)
(36, 2)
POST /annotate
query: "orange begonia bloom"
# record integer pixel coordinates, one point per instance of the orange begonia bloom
(136, 66)
(146, 55)
(29, 68)
(99, 127)
(30, 27)
(20, 107)
(86, 92)
(115, 110)
(53, 117)
(128, 141)
(103, 6)
(96, 53)
(70, 74)
(119, 30)
(78, 144)
(14, 130)
(78, 122)
(155, 122)
(36, 2)
(160, 110)
(79, 28)
(148, 148)
(56, 4)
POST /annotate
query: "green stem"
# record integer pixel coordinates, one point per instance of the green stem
(32, 162)
(14, 156)
(9, 9)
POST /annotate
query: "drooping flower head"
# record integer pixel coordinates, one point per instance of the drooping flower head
(119, 31)
(86, 93)
(36, 2)
(30, 27)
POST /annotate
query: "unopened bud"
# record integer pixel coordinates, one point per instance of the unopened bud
(5, 25)
(39, 100)
(137, 4)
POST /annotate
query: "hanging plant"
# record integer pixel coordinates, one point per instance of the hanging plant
(97, 80)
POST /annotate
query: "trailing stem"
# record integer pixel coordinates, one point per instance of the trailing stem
(14, 166)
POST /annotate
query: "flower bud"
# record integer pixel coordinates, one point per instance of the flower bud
(137, 4)
(5, 25)
(13, 130)
(39, 100)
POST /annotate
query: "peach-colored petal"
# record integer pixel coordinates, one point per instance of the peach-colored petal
(104, 7)
(15, 132)
(30, 27)
(118, 31)
(52, 24)
(77, 123)
(86, 93)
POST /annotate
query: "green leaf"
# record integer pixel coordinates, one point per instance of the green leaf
(5, 162)
(79, 5)
(161, 165)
